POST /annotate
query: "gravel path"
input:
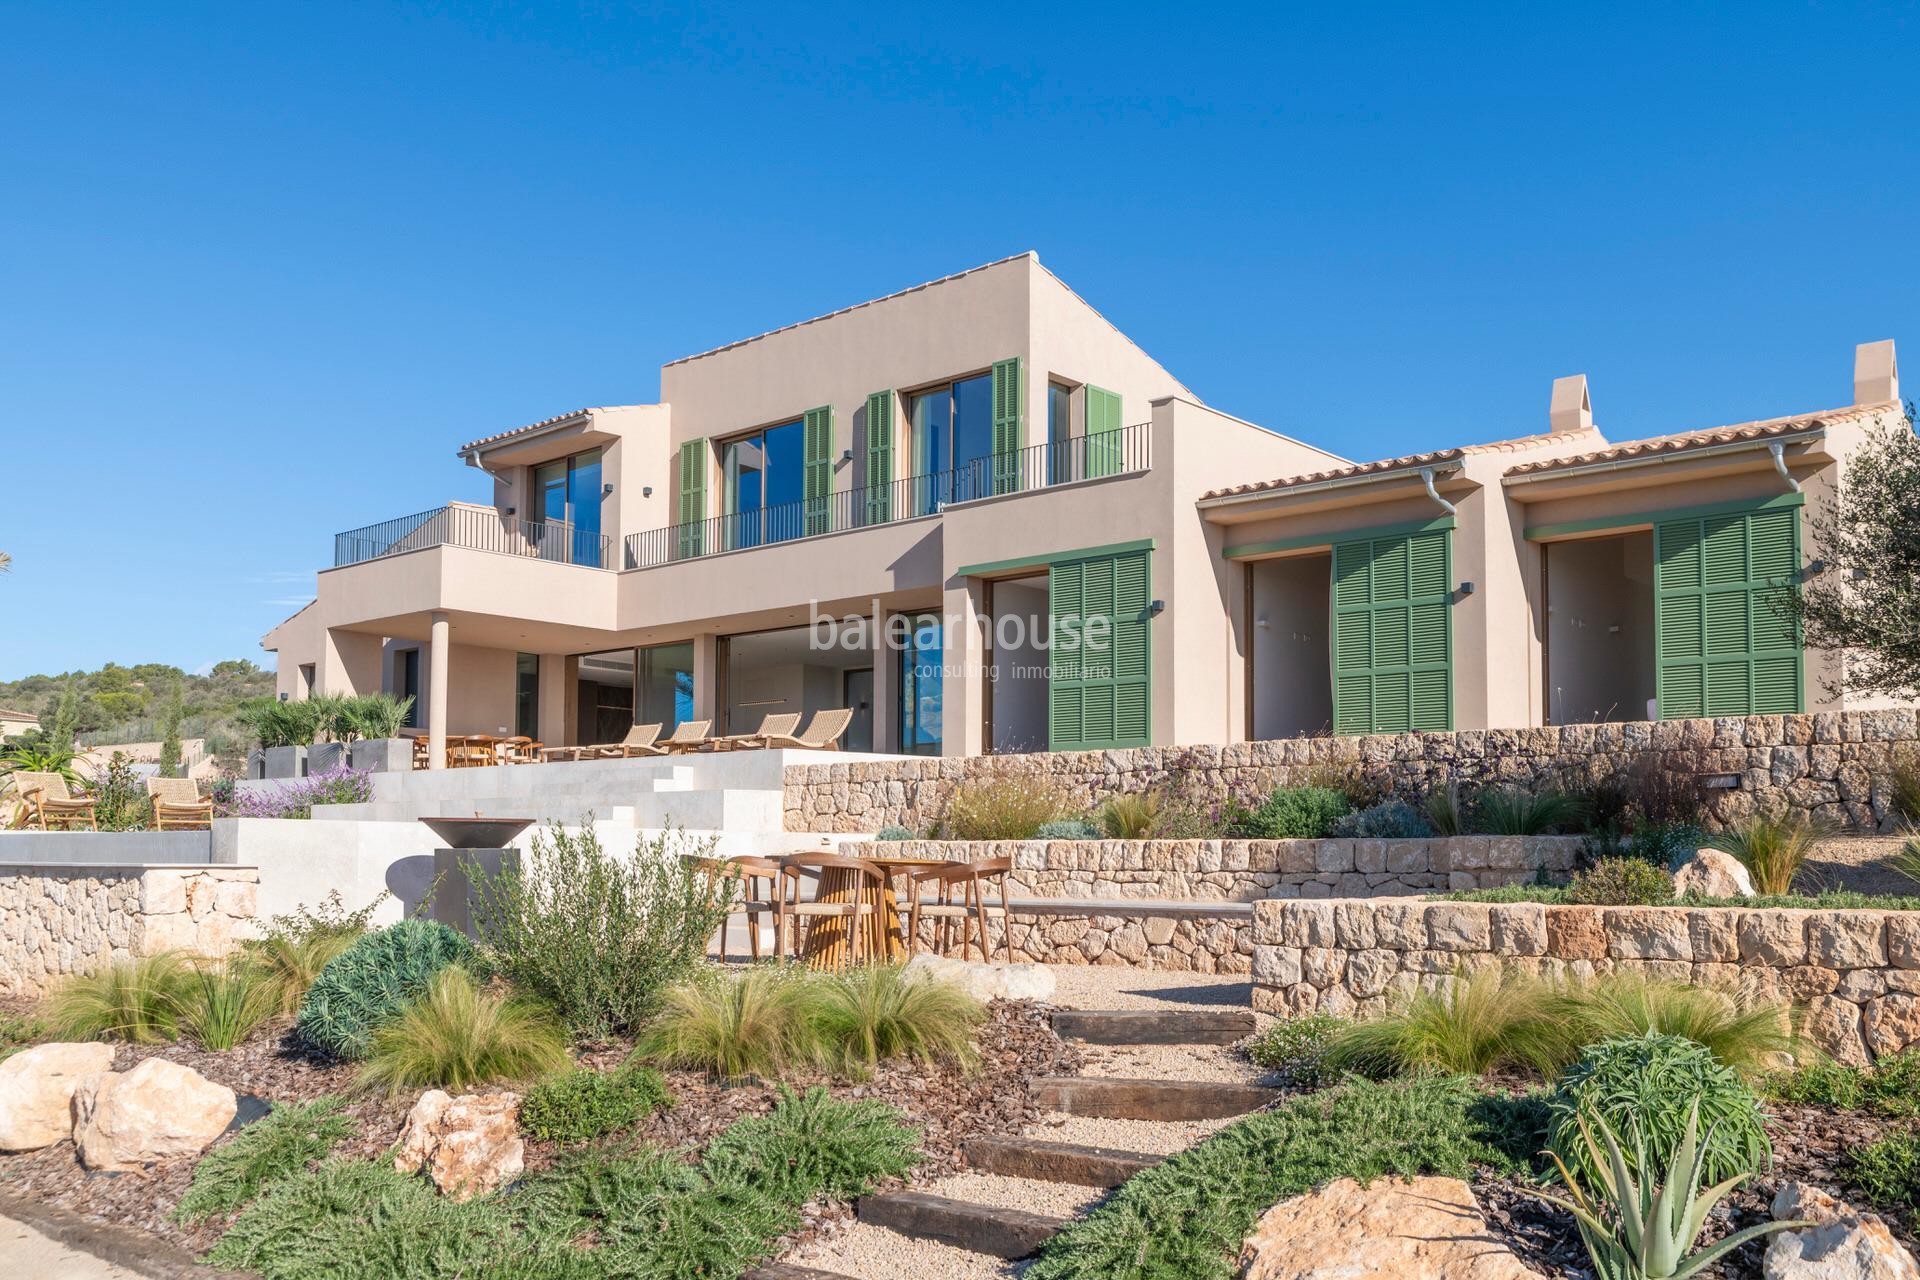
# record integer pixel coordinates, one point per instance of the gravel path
(1219, 1063)
(865, 1252)
(1112, 987)
(1148, 1137)
(30, 1254)
(1857, 863)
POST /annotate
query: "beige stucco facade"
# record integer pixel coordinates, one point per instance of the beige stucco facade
(508, 619)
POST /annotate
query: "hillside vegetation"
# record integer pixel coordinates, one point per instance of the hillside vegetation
(127, 704)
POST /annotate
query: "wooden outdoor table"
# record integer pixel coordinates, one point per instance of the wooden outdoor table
(826, 942)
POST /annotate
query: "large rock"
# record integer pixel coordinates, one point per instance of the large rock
(128, 1119)
(1843, 1244)
(468, 1145)
(36, 1092)
(1713, 873)
(1429, 1227)
(986, 981)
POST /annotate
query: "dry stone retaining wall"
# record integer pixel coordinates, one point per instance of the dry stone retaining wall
(58, 920)
(1833, 765)
(1857, 973)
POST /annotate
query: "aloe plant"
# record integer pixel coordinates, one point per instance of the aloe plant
(1633, 1232)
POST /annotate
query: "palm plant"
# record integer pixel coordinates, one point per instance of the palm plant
(1772, 847)
(1633, 1232)
(377, 715)
(22, 758)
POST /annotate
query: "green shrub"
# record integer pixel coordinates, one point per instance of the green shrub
(1890, 1087)
(1131, 816)
(582, 1105)
(135, 1000)
(1445, 812)
(1012, 806)
(894, 831)
(17, 1031)
(598, 937)
(813, 1146)
(1510, 811)
(1750, 1035)
(373, 979)
(220, 1006)
(1296, 1050)
(1773, 848)
(1388, 820)
(1888, 1171)
(1903, 787)
(1481, 1020)
(1067, 829)
(281, 1143)
(120, 797)
(874, 1012)
(1621, 882)
(372, 715)
(457, 1036)
(1184, 1218)
(1644, 1087)
(294, 948)
(1666, 845)
(733, 1027)
(1290, 813)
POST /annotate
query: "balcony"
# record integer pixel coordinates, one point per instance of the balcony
(479, 529)
(1041, 466)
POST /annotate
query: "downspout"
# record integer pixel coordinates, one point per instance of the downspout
(1779, 452)
(1426, 474)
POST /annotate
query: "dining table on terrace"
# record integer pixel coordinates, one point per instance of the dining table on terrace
(827, 937)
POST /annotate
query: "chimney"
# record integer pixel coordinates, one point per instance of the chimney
(1572, 408)
(1876, 374)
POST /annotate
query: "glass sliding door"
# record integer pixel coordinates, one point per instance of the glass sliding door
(921, 677)
(665, 694)
(764, 485)
(566, 510)
(952, 430)
(526, 694)
(1060, 467)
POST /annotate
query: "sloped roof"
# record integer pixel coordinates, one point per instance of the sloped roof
(541, 425)
(1410, 462)
(1762, 429)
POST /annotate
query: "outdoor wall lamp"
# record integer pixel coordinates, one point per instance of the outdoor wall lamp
(1466, 588)
(606, 489)
(846, 455)
(512, 510)
(646, 491)
(1157, 608)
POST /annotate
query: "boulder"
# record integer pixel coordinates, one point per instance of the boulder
(126, 1120)
(36, 1092)
(1429, 1227)
(1712, 873)
(1842, 1243)
(986, 981)
(468, 1145)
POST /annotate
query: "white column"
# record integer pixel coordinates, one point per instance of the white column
(437, 694)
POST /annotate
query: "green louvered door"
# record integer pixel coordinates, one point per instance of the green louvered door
(690, 538)
(879, 477)
(1100, 683)
(1009, 420)
(1724, 644)
(1103, 432)
(816, 470)
(1393, 634)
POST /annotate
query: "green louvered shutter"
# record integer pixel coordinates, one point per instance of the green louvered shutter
(1103, 432)
(1393, 634)
(1009, 422)
(816, 469)
(879, 477)
(1100, 678)
(1724, 643)
(691, 517)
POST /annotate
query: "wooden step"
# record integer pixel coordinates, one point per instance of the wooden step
(1167, 1026)
(1056, 1161)
(982, 1228)
(1116, 1099)
(782, 1271)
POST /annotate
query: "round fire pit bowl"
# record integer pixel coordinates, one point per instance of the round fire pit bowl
(477, 833)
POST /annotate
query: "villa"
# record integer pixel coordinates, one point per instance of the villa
(1024, 527)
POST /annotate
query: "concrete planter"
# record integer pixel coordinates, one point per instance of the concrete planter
(286, 762)
(256, 764)
(325, 756)
(383, 755)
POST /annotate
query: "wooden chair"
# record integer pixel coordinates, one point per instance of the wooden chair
(964, 880)
(422, 755)
(782, 722)
(177, 805)
(864, 887)
(690, 736)
(519, 749)
(759, 894)
(51, 806)
(641, 740)
(823, 733)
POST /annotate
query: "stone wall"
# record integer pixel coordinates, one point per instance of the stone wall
(1856, 973)
(1201, 872)
(1833, 765)
(58, 920)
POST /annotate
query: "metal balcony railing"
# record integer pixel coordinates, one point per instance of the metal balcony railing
(1040, 466)
(477, 528)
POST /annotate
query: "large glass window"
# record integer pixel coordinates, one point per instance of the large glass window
(666, 686)
(526, 694)
(764, 485)
(407, 680)
(921, 672)
(1059, 434)
(566, 509)
(952, 430)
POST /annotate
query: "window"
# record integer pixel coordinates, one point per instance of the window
(565, 524)
(952, 430)
(665, 686)
(1060, 466)
(526, 694)
(765, 484)
(921, 671)
(408, 680)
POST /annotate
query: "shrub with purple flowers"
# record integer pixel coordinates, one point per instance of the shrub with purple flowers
(296, 799)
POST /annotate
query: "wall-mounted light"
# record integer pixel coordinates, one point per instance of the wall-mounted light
(646, 491)
(606, 489)
(1466, 588)
(846, 455)
(1157, 608)
(1261, 622)
(511, 510)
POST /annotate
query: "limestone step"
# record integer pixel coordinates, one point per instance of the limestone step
(1155, 1026)
(1056, 1161)
(1123, 1099)
(988, 1229)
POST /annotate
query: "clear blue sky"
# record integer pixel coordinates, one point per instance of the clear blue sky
(264, 266)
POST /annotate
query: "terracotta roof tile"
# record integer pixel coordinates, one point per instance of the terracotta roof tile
(1763, 429)
(1410, 462)
(483, 441)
